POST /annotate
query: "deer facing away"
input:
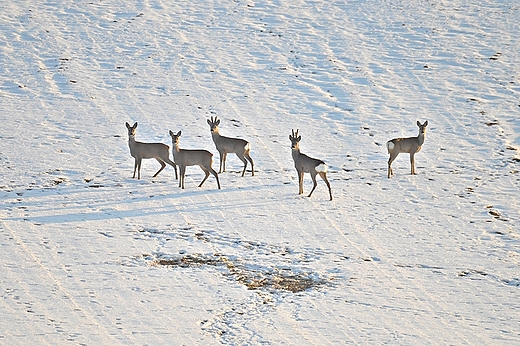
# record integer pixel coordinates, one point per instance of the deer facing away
(306, 164)
(139, 151)
(410, 145)
(189, 157)
(227, 145)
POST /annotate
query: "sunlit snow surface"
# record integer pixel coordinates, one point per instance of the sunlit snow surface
(91, 256)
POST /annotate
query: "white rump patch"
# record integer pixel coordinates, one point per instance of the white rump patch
(390, 145)
(322, 168)
(247, 147)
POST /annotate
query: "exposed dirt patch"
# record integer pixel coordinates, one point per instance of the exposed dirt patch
(195, 260)
(291, 283)
(253, 278)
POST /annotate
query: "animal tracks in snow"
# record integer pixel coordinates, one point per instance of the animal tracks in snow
(272, 273)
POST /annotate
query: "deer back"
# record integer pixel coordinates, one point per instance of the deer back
(149, 150)
(306, 163)
(228, 144)
(406, 145)
(193, 157)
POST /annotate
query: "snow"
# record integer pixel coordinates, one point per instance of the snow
(91, 256)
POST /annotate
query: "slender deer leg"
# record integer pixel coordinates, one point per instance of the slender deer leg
(412, 162)
(206, 177)
(207, 172)
(171, 163)
(248, 157)
(223, 156)
(139, 168)
(300, 181)
(162, 167)
(216, 176)
(324, 177)
(313, 176)
(135, 167)
(243, 159)
(390, 160)
(182, 174)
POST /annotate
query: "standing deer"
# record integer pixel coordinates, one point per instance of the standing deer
(306, 164)
(139, 151)
(227, 145)
(186, 157)
(410, 145)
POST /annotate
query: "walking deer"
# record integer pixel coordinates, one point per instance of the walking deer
(227, 145)
(410, 145)
(306, 164)
(186, 157)
(139, 151)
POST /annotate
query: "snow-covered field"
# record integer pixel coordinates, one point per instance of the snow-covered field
(91, 256)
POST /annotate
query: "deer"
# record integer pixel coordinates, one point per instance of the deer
(306, 164)
(191, 157)
(410, 145)
(140, 151)
(227, 145)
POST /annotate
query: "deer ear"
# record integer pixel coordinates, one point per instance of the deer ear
(179, 134)
(418, 123)
(299, 138)
(127, 125)
(135, 125)
(209, 122)
(218, 122)
(426, 123)
(290, 137)
(171, 133)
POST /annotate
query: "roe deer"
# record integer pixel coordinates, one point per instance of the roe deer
(186, 157)
(306, 164)
(139, 150)
(227, 145)
(410, 145)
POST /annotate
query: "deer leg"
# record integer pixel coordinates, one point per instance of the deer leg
(136, 162)
(412, 162)
(248, 157)
(174, 165)
(324, 177)
(160, 169)
(182, 172)
(390, 160)
(313, 176)
(300, 182)
(206, 177)
(216, 176)
(243, 159)
(139, 168)
(223, 155)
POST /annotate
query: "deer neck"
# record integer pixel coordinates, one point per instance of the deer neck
(420, 138)
(215, 134)
(131, 141)
(296, 153)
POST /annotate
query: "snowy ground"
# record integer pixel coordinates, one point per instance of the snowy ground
(91, 256)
